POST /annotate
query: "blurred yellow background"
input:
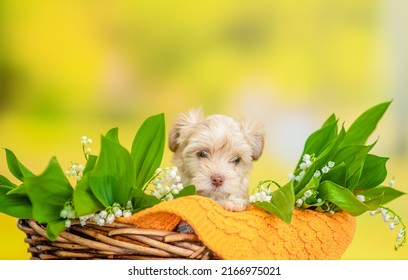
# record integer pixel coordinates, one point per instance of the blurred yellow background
(74, 68)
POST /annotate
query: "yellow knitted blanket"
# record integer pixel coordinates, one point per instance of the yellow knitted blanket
(254, 233)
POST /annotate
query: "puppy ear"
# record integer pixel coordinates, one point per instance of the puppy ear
(183, 121)
(256, 135)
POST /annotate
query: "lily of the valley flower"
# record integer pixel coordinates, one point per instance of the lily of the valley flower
(393, 220)
(167, 183)
(306, 164)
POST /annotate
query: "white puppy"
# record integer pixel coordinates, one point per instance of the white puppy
(215, 154)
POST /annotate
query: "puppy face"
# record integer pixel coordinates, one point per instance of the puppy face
(215, 153)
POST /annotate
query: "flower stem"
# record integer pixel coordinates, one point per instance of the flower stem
(403, 230)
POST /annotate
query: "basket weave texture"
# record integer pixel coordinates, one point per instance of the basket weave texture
(115, 241)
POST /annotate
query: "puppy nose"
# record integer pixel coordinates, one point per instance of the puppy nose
(217, 180)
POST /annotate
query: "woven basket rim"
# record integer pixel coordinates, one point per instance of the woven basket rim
(112, 241)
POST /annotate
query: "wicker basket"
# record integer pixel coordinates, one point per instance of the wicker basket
(219, 234)
(113, 241)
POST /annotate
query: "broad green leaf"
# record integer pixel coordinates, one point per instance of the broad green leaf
(112, 179)
(344, 198)
(147, 148)
(103, 187)
(54, 228)
(353, 157)
(90, 164)
(186, 191)
(336, 146)
(336, 175)
(312, 185)
(48, 192)
(326, 155)
(320, 139)
(388, 193)
(332, 118)
(141, 200)
(375, 201)
(113, 134)
(85, 202)
(6, 182)
(20, 190)
(314, 203)
(281, 204)
(18, 206)
(364, 125)
(16, 167)
(374, 172)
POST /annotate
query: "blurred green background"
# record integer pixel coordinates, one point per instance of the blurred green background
(74, 68)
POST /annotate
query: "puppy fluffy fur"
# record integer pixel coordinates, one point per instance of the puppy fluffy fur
(215, 154)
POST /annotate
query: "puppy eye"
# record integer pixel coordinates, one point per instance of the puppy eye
(236, 160)
(202, 154)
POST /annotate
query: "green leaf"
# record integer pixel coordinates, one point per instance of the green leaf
(353, 157)
(85, 202)
(374, 172)
(388, 193)
(364, 125)
(344, 199)
(332, 118)
(6, 182)
(281, 204)
(90, 164)
(48, 192)
(103, 187)
(335, 147)
(141, 200)
(320, 139)
(327, 154)
(337, 175)
(186, 191)
(113, 134)
(16, 167)
(312, 185)
(112, 179)
(312, 203)
(147, 148)
(17, 206)
(20, 190)
(375, 201)
(54, 228)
